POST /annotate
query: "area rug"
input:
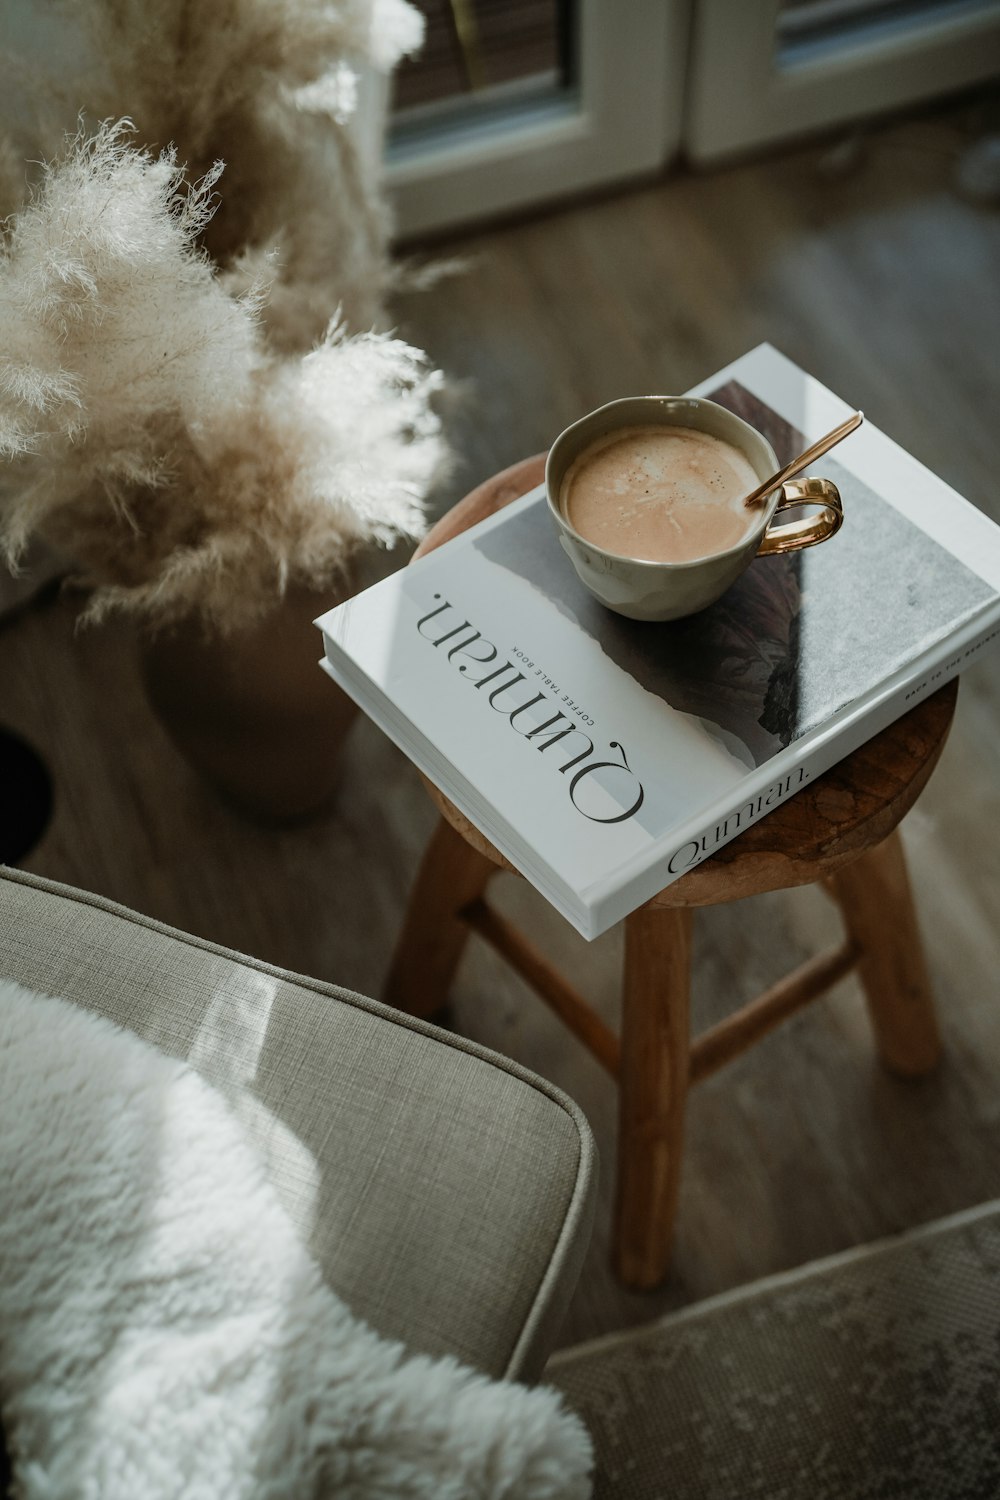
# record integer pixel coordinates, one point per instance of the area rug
(871, 1375)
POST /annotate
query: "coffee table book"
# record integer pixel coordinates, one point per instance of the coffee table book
(605, 757)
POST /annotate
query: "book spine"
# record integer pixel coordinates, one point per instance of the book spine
(856, 731)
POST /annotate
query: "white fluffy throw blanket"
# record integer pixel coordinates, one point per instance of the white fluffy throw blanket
(163, 1333)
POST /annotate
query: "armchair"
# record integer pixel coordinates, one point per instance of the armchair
(445, 1192)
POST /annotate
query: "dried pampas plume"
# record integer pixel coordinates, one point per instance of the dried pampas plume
(150, 431)
(270, 87)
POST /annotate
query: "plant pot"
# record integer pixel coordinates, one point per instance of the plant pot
(252, 711)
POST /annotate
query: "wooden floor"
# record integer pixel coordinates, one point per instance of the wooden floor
(886, 285)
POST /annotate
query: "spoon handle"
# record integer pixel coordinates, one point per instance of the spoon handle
(822, 445)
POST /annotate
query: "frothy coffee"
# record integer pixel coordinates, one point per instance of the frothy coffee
(663, 494)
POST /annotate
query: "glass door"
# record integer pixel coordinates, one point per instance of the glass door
(515, 103)
(771, 70)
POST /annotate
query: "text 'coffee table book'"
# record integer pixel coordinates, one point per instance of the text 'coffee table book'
(604, 756)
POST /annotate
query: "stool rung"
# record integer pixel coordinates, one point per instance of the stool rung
(548, 984)
(732, 1036)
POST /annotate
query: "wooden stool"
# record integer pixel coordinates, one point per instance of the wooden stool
(840, 831)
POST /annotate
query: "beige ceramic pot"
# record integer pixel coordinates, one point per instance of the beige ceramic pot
(252, 711)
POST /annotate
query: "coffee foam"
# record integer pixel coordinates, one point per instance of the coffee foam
(660, 493)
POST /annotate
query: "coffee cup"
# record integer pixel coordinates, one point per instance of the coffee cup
(647, 496)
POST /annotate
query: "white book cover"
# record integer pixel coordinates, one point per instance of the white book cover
(605, 757)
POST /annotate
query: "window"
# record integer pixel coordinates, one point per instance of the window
(591, 94)
(520, 103)
(785, 69)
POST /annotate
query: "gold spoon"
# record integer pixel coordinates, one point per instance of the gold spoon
(822, 445)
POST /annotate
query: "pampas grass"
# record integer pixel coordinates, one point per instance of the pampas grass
(268, 87)
(152, 431)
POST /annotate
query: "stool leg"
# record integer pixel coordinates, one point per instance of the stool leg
(875, 897)
(652, 1091)
(430, 945)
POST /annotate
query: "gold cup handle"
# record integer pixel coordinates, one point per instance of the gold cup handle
(809, 530)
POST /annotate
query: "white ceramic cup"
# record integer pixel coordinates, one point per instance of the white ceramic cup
(645, 590)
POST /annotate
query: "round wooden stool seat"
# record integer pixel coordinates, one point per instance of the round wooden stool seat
(839, 831)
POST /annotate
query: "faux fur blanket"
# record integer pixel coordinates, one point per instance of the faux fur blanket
(163, 1332)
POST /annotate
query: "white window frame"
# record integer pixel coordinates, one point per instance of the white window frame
(624, 121)
(876, 68)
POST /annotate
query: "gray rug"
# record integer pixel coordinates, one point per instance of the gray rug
(869, 1376)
